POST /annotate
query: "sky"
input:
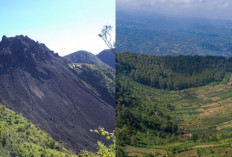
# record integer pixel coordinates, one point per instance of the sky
(212, 9)
(64, 26)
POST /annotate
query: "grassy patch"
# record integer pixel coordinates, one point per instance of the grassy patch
(19, 137)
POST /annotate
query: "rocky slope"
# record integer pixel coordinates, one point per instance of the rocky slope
(39, 84)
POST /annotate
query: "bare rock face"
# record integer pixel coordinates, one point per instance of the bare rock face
(39, 84)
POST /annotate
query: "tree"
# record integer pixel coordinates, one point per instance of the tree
(106, 37)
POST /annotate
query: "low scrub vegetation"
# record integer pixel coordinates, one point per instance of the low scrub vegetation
(20, 138)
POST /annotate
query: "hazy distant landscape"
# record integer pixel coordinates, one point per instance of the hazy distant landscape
(157, 34)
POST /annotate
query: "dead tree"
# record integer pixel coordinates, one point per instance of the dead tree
(106, 37)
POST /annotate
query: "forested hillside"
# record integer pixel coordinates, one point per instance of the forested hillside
(101, 80)
(173, 72)
(156, 122)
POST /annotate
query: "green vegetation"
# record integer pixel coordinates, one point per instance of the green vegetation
(189, 122)
(169, 72)
(99, 78)
(19, 137)
(103, 151)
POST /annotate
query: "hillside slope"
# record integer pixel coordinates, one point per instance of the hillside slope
(108, 57)
(39, 84)
(100, 79)
(19, 137)
(193, 121)
(173, 72)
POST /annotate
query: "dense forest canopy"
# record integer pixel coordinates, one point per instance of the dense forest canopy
(173, 72)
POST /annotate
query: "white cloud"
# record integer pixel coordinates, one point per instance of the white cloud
(216, 3)
(199, 8)
(226, 4)
(180, 1)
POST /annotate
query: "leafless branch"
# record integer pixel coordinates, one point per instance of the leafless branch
(106, 37)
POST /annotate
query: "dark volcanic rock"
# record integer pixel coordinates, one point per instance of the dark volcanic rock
(39, 84)
(83, 57)
(108, 57)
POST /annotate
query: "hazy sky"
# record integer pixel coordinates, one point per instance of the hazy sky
(218, 9)
(65, 26)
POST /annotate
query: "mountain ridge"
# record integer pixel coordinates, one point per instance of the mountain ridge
(83, 56)
(39, 84)
(108, 57)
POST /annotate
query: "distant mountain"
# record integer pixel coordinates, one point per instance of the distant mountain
(156, 34)
(100, 79)
(96, 72)
(83, 57)
(39, 84)
(108, 57)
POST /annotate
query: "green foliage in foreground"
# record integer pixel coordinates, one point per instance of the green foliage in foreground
(19, 137)
(103, 151)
